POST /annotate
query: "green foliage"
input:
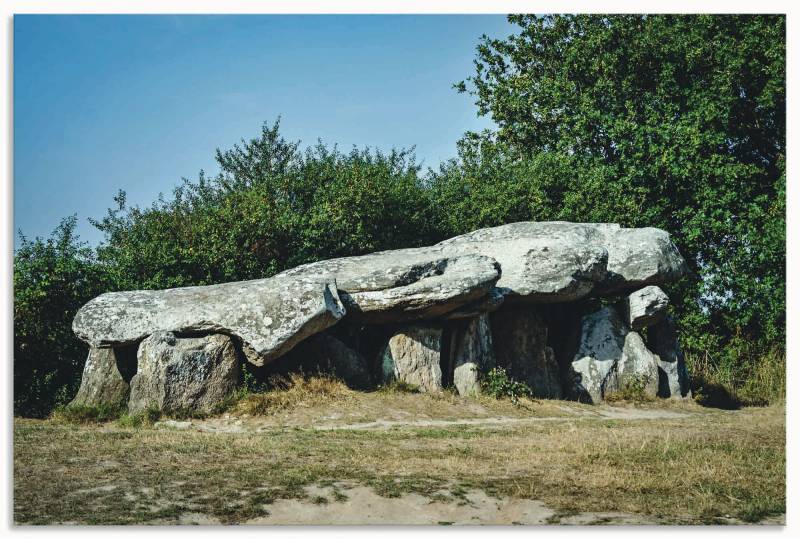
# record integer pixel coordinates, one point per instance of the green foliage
(497, 384)
(52, 278)
(659, 120)
(145, 418)
(744, 375)
(271, 208)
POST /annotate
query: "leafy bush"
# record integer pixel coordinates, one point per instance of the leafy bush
(497, 384)
(53, 277)
(271, 208)
(746, 376)
(137, 420)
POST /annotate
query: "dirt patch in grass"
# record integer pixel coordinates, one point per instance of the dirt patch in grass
(670, 463)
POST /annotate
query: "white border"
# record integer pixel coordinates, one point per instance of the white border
(9, 7)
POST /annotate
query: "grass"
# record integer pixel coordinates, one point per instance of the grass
(757, 380)
(140, 419)
(80, 414)
(292, 391)
(399, 387)
(697, 469)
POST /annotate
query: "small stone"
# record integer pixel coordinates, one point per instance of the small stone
(645, 307)
(610, 358)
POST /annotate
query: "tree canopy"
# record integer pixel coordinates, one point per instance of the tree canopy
(673, 121)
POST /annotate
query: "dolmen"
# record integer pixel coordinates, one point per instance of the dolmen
(573, 310)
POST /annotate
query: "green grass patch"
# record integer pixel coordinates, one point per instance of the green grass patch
(79, 414)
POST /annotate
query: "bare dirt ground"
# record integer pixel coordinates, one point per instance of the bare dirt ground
(411, 459)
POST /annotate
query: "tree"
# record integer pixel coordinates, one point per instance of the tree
(53, 278)
(651, 120)
(270, 208)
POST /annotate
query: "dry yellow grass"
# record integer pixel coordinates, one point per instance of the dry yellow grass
(698, 466)
(294, 391)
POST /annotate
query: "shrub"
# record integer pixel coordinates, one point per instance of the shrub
(139, 419)
(497, 384)
(745, 376)
(53, 278)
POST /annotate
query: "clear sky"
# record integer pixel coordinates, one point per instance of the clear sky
(103, 103)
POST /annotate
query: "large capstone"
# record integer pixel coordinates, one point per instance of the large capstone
(645, 307)
(611, 358)
(673, 380)
(560, 261)
(471, 353)
(413, 356)
(519, 335)
(106, 377)
(544, 262)
(269, 316)
(406, 284)
(180, 374)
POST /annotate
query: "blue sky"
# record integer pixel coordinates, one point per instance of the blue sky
(103, 103)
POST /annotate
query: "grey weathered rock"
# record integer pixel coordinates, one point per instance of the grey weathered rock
(184, 374)
(673, 380)
(638, 257)
(611, 357)
(413, 356)
(644, 307)
(106, 377)
(520, 342)
(549, 262)
(269, 316)
(471, 353)
(331, 355)
(560, 261)
(406, 284)
(637, 369)
(539, 261)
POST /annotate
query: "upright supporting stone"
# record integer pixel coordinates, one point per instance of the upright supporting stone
(413, 356)
(106, 377)
(471, 353)
(610, 358)
(520, 342)
(673, 380)
(184, 374)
